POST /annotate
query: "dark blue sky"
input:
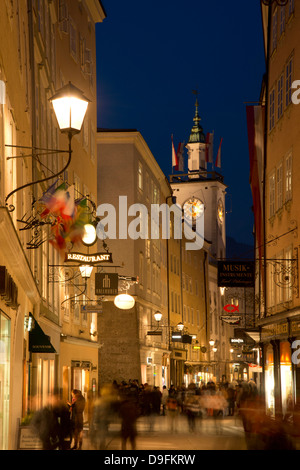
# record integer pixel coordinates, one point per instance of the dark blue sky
(151, 55)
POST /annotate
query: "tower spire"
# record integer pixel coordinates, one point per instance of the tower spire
(197, 135)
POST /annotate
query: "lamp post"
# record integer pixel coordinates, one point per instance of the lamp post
(70, 106)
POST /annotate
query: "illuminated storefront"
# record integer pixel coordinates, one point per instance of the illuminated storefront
(269, 381)
(4, 379)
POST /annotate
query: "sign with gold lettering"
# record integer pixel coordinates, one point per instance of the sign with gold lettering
(236, 273)
(89, 259)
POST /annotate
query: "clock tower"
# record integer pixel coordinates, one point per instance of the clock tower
(202, 190)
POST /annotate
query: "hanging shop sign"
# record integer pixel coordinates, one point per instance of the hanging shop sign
(237, 341)
(154, 333)
(8, 289)
(236, 274)
(91, 308)
(231, 319)
(89, 259)
(231, 308)
(106, 283)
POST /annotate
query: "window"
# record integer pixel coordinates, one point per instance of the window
(140, 177)
(288, 177)
(73, 39)
(291, 7)
(280, 97)
(272, 110)
(279, 187)
(272, 194)
(288, 81)
(274, 30)
(282, 19)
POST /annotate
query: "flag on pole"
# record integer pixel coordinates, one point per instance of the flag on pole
(209, 150)
(218, 159)
(180, 156)
(174, 157)
(255, 127)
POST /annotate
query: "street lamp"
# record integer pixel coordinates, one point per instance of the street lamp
(89, 234)
(180, 326)
(158, 316)
(70, 106)
(211, 342)
(86, 271)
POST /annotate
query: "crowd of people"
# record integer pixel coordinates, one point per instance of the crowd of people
(60, 425)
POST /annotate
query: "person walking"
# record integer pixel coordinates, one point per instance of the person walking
(129, 413)
(77, 406)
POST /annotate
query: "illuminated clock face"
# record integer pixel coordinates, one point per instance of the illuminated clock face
(193, 208)
(220, 211)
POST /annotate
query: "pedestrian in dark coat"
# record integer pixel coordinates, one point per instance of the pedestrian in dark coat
(77, 408)
(129, 413)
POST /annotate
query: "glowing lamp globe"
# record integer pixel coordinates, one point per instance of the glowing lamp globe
(89, 234)
(124, 301)
(70, 106)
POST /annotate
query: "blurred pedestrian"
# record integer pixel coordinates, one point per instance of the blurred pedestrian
(77, 406)
(129, 413)
(45, 425)
(103, 413)
(164, 398)
(172, 412)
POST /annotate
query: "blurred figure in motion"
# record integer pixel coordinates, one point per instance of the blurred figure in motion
(192, 409)
(263, 432)
(52, 424)
(164, 398)
(62, 414)
(129, 413)
(46, 426)
(104, 410)
(172, 411)
(77, 406)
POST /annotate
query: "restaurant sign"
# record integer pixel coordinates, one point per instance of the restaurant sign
(236, 273)
(89, 259)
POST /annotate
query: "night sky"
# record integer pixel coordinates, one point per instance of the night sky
(151, 55)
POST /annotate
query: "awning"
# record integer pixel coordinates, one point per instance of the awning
(38, 341)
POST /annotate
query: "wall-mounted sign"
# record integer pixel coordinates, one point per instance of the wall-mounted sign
(89, 259)
(154, 333)
(8, 289)
(236, 273)
(106, 283)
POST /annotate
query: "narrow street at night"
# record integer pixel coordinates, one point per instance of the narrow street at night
(210, 434)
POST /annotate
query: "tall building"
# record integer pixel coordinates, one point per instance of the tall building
(275, 162)
(44, 45)
(202, 190)
(133, 344)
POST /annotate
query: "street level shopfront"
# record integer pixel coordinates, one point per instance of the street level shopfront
(281, 373)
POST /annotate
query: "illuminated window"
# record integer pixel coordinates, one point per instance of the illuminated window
(279, 187)
(288, 177)
(272, 194)
(140, 177)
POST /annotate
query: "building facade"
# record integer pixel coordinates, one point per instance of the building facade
(44, 45)
(277, 293)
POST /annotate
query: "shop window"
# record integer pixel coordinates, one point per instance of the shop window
(269, 381)
(286, 376)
